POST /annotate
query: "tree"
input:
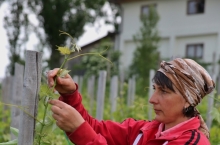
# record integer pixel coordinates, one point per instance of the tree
(146, 56)
(67, 15)
(14, 24)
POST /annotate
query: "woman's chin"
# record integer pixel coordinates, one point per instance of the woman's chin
(158, 118)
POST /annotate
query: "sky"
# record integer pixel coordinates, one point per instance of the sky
(3, 53)
(91, 34)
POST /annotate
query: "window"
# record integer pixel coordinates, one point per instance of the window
(195, 6)
(146, 8)
(194, 50)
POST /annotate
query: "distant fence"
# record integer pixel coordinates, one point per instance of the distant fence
(101, 93)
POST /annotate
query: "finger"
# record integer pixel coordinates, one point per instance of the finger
(51, 75)
(56, 117)
(57, 103)
(65, 81)
(56, 110)
(67, 76)
(59, 124)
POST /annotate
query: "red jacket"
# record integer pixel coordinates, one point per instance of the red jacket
(94, 132)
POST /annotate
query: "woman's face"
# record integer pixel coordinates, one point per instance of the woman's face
(168, 105)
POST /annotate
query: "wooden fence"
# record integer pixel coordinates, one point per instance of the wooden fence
(22, 90)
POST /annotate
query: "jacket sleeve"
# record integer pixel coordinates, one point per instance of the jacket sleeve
(98, 132)
(85, 135)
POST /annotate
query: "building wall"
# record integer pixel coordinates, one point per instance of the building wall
(176, 28)
(209, 41)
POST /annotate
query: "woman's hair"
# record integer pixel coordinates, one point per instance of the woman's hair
(162, 80)
(189, 111)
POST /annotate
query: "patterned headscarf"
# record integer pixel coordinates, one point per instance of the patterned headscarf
(191, 80)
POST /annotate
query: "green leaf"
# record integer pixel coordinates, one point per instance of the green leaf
(63, 73)
(15, 131)
(46, 92)
(38, 126)
(46, 143)
(64, 50)
(12, 142)
(50, 125)
(216, 114)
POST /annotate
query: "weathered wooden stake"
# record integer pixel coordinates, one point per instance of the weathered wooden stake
(209, 117)
(91, 92)
(76, 79)
(80, 83)
(218, 77)
(113, 93)
(218, 85)
(101, 94)
(6, 93)
(152, 73)
(16, 96)
(131, 91)
(121, 83)
(32, 79)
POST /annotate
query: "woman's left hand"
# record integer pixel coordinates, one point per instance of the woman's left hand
(67, 118)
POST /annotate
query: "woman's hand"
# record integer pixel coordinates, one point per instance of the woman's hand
(67, 118)
(64, 85)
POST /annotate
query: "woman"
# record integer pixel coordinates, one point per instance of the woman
(179, 86)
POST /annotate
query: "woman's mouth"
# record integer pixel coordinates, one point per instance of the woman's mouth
(156, 111)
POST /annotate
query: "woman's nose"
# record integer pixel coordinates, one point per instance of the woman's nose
(153, 98)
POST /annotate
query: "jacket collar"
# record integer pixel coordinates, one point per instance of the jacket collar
(178, 130)
(175, 131)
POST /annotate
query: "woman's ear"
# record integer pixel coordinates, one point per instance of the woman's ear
(186, 105)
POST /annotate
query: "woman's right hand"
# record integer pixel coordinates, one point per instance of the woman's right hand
(64, 85)
(67, 118)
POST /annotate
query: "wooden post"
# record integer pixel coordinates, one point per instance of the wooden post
(6, 90)
(121, 83)
(76, 79)
(218, 84)
(152, 73)
(101, 94)
(16, 96)
(6, 93)
(131, 91)
(91, 92)
(212, 95)
(113, 93)
(80, 83)
(31, 86)
(218, 78)
(133, 88)
(209, 117)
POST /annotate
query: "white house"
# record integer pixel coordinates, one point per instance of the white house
(187, 28)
